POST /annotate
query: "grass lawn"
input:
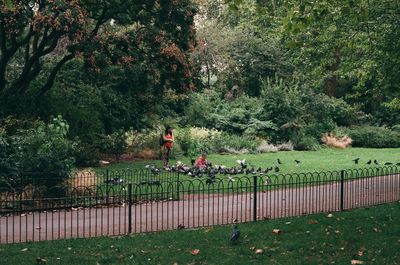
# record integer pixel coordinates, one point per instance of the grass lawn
(369, 235)
(311, 161)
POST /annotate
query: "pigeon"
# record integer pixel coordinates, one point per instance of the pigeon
(356, 160)
(276, 169)
(369, 162)
(398, 164)
(235, 234)
(388, 163)
(279, 161)
(192, 161)
(297, 161)
(376, 162)
(242, 163)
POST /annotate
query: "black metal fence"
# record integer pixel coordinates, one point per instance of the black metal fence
(117, 204)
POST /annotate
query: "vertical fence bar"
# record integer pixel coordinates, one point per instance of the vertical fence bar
(177, 186)
(255, 198)
(106, 186)
(130, 208)
(342, 190)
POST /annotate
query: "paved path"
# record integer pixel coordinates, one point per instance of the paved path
(197, 210)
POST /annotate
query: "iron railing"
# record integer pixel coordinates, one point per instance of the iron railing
(167, 201)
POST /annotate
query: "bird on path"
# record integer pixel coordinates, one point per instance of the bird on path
(235, 234)
(356, 160)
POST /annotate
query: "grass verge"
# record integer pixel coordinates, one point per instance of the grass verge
(369, 235)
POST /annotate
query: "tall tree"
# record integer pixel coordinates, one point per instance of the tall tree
(103, 32)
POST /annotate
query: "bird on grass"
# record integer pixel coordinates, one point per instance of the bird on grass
(192, 161)
(369, 162)
(356, 160)
(242, 163)
(398, 164)
(388, 163)
(235, 234)
(276, 169)
(376, 162)
(279, 161)
(297, 161)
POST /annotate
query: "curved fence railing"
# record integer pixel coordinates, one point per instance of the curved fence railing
(122, 202)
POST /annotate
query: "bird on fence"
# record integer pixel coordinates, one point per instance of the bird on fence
(242, 163)
(235, 234)
(376, 162)
(369, 162)
(279, 161)
(297, 161)
(356, 160)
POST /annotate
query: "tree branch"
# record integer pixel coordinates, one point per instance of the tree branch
(50, 80)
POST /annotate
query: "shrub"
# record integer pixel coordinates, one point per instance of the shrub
(42, 156)
(236, 143)
(374, 137)
(265, 147)
(302, 141)
(332, 140)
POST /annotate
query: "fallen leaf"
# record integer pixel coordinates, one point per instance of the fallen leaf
(175, 263)
(276, 231)
(41, 260)
(330, 215)
(69, 248)
(376, 229)
(288, 223)
(360, 253)
(259, 251)
(24, 249)
(195, 252)
(312, 222)
(308, 232)
(252, 248)
(355, 262)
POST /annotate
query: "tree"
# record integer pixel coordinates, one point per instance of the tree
(112, 32)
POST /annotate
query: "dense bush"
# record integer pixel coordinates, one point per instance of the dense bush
(374, 137)
(41, 155)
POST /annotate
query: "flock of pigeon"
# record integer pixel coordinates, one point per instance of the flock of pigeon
(211, 171)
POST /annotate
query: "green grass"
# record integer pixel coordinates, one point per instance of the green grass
(323, 160)
(370, 235)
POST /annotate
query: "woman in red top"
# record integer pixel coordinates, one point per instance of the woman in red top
(168, 139)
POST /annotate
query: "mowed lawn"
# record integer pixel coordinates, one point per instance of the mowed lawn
(326, 159)
(371, 236)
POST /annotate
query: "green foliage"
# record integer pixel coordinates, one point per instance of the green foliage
(233, 143)
(243, 115)
(376, 137)
(115, 143)
(41, 155)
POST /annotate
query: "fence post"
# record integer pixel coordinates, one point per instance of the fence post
(342, 190)
(130, 208)
(254, 198)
